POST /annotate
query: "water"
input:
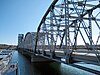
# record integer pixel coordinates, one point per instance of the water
(52, 68)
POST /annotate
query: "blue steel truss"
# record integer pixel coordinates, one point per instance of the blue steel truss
(67, 24)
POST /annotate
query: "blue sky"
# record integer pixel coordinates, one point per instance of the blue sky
(20, 16)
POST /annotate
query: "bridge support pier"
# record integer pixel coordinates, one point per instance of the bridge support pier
(36, 58)
(52, 55)
(32, 58)
(22, 52)
(68, 58)
(44, 53)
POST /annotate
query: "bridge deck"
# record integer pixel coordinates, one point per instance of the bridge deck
(95, 69)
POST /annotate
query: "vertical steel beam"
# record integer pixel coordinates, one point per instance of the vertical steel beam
(67, 43)
(51, 33)
(90, 28)
(75, 34)
(44, 35)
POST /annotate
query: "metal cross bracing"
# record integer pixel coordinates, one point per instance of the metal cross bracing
(68, 25)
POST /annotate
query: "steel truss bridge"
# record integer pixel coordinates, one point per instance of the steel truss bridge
(66, 25)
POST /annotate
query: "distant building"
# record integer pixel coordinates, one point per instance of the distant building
(20, 39)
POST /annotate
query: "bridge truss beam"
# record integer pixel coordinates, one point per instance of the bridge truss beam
(68, 24)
